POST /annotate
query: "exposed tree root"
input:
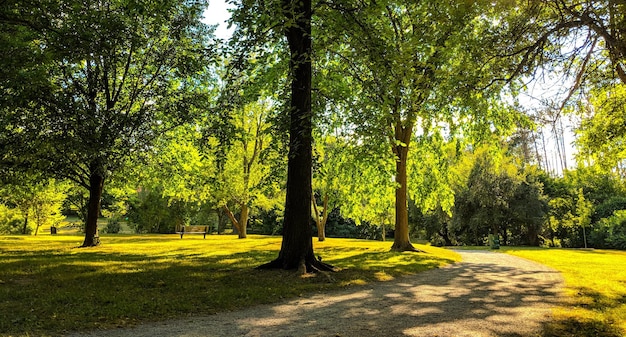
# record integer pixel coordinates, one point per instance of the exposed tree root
(94, 242)
(304, 266)
(405, 247)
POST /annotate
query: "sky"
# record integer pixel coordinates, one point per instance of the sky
(216, 14)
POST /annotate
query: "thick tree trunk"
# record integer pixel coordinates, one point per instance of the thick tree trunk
(96, 184)
(401, 240)
(296, 251)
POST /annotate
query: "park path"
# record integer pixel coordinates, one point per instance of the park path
(487, 294)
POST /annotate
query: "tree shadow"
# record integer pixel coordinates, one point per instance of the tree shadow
(465, 299)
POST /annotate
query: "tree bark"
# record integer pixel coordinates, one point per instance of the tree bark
(221, 220)
(402, 138)
(296, 251)
(320, 220)
(401, 241)
(243, 221)
(25, 228)
(241, 224)
(96, 184)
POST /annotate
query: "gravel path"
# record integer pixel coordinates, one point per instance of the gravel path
(488, 294)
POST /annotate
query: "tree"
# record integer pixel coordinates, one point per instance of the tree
(18, 191)
(567, 32)
(39, 201)
(119, 73)
(46, 204)
(600, 137)
(417, 66)
(297, 246)
(247, 172)
(528, 209)
(482, 207)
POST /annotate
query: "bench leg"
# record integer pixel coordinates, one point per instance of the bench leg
(181, 235)
(205, 235)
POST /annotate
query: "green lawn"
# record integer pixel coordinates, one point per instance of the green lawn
(48, 286)
(595, 303)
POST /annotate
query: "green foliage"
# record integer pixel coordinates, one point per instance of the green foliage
(482, 206)
(528, 211)
(499, 198)
(608, 207)
(267, 222)
(114, 226)
(433, 225)
(150, 212)
(340, 227)
(116, 82)
(118, 75)
(602, 133)
(610, 232)
(597, 185)
(578, 201)
(38, 202)
(11, 221)
(46, 205)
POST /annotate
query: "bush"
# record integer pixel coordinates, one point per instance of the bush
(607, 208)
(610, 232)
(150, 212)
(113, 227)
(267, 222)
(11, 221)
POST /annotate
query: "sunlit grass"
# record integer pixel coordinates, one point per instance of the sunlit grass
(48, 286)
(595, 290)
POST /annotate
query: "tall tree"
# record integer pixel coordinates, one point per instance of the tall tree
(297, 245)
(120, 72)
(418, 65)
(247, 171)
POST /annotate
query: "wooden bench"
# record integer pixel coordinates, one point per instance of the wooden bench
(182, 230)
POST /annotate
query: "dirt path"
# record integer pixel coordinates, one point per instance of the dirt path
(488, 294)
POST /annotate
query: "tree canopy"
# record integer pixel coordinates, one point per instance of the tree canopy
(117, 74)
(357, 113)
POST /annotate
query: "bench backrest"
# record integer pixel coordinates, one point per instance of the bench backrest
(192, 229)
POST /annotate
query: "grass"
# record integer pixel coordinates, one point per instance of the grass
(49, 287)
(595, 280)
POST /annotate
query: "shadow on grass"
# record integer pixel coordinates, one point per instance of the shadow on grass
(571, 327)
(585, 326)
(452, 301)
(48, 291)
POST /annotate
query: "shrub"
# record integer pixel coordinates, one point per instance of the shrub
(607, 208)
(114, 226)
(610, 232)
(11, 221)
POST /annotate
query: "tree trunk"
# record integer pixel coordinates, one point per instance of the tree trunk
(401, 240)
(320, 220)
(25, 228)
(239, 225)
(243, 221)
(96, 183)
(296, 251)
